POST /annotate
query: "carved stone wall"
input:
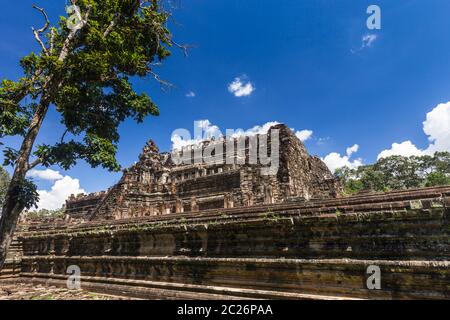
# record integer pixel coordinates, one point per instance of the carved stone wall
(82, 206)
(155, 185)
(318, 248)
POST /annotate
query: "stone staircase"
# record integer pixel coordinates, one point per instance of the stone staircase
(12, 266)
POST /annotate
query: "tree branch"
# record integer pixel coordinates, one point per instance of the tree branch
(38, 32)
(183, 47)
(111, 25)
(163, 83)
(64, 135)
(34, 164)
(52, 40)
(68, 41)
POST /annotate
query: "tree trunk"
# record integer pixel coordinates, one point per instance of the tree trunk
(11, 207)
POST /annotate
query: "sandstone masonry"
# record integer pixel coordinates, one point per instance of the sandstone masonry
(155, 185)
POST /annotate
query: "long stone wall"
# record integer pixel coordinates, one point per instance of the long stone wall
(316, 249)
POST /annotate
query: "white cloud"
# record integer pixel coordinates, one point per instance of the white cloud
(179, 143)
(351, 150)
(335, 161)
(436, 127)
(190, 94)
(406, 149)
(46, 174)
(208, 130)
(60, 191)
(368, 40)
(263, 129)
(304, 135)
(240, 88)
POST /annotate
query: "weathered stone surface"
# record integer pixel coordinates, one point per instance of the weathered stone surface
(317, 248)
(16, 290)
(82, 206)
(228, 232)
(11, 267)
(156, 186)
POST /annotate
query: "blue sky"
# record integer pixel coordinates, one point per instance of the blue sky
(305, 60)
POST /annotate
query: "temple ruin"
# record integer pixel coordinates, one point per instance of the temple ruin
(227, 231)
(155, 185)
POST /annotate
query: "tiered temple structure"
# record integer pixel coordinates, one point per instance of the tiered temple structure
(229, 231)
(156, 185)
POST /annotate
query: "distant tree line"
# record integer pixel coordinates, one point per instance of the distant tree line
(44, 213)
(396, 173)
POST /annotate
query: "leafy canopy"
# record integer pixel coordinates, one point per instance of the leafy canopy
(44, 213)
(121, 39)
(397, 172)
(4, 182)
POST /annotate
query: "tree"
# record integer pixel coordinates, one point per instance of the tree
(4, 181)
(398, 172)
(45, 213)
(351, 180)
(441, 162)
(437, 179)
(83, 70)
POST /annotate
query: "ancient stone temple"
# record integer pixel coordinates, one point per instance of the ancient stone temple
(156, 185)
(231, 231)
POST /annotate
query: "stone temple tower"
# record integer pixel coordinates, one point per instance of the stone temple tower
(155, 185)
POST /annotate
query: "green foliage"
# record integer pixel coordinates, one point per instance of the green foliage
(14, 117)
(10, 156)
(25, 193)
(397, 172)
(94, 149)
(94, 94)
(44, 213)
(86, 75)
(4, 182)
(437, 179)
(353, 186)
